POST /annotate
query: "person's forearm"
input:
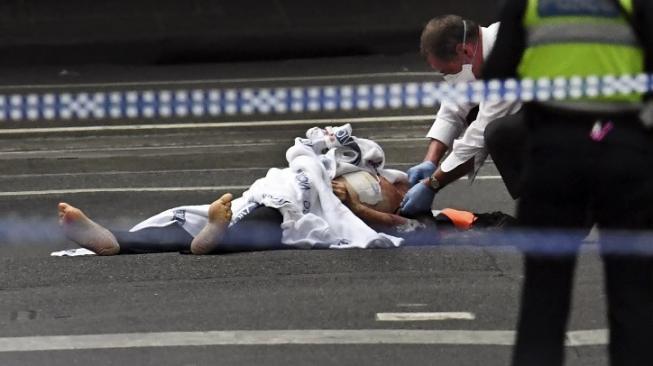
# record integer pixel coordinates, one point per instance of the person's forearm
(376, 219)
(444, 178)
(435, 151)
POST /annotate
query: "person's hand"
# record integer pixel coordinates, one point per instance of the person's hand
(417, 200)
(420, 171)
(340, 190)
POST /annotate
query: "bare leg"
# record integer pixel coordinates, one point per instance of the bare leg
(86, 232)
(211, 235)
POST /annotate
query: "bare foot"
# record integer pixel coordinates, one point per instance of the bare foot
(86, 232)
(211, 235)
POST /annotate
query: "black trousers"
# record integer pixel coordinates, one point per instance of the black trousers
(505, 139)
(259, 230)
(571, 180)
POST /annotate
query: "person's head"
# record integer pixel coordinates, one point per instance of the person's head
(448, 42)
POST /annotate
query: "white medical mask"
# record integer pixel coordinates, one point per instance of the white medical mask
(466, 73)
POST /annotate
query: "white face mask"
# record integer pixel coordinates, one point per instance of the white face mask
(466, 74)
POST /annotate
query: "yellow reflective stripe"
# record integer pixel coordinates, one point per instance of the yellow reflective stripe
(578, 19)
(531, 15)
(579, 45)
(628, 5)
(580, 59)
(542, 34)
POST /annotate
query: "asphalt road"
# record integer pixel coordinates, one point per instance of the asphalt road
(277, 308)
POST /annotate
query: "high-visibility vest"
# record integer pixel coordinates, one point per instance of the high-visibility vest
(580, 38)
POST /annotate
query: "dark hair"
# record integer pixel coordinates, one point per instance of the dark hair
(442, 34)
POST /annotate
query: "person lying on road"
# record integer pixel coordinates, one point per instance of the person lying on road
(335, 193)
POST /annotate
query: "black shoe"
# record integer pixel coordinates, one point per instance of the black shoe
(494, 220)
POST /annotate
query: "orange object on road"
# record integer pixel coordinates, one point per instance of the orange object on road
(462, 220)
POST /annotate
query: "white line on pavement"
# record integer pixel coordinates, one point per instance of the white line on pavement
(411, 305)
(416, 317)
(129, 189)
(220, 81)
(282, 337)
(133, 172)
(168, 126)
(596, 337)
(484, 177)
(55, 192)
(136, 148)
(174, 147)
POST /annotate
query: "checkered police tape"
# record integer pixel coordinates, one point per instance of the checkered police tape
(182, 103)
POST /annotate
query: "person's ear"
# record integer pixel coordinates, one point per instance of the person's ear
(468, 51)
(461, 49)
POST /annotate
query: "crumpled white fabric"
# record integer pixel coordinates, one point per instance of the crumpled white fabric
(77, 252)
(313, 217)
(340, 152)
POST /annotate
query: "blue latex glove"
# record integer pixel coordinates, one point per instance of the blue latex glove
(420, 171)
(417, 200)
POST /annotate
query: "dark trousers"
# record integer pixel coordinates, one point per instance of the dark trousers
(571, 180)
(259, 230)
(505, 140)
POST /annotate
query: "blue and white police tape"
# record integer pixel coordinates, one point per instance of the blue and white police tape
(182, 103)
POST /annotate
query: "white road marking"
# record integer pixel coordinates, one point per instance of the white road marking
(587, 338)
(132, 172)
(411, 305)
(176, 147)
(169, 126)
(56, 192)
(414, 317)
(484, 177)
(130, 189)
(173, 171)
(221, 81)
(282, 337)
(136, 148)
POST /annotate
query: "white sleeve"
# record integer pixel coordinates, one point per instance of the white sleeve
(449, 122)
(472, 143)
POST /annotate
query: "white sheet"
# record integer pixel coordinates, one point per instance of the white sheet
(313, 217)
